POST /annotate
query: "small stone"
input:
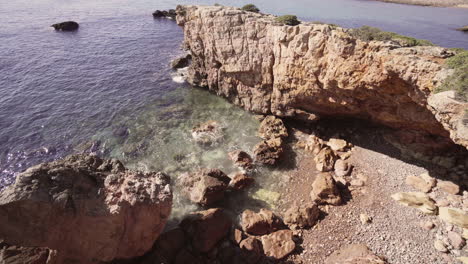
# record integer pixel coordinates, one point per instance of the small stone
(325, 191)
(465, 233)
(448, 187)
(427, 225)
(365, 219)
(440, 246)
(456, 240)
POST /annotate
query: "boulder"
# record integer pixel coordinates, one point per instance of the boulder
(325, 160)
(206, 228)
(354, 254)
(205, 187)
(171, 13)
(66, 26)
(87, 209)
(241, 181)
(324, 190)
(272, 127)
(261, 223)
(337, 144)
(454, 216)
(303, 216)
(448, 187)
(269, 151)
(241, 159)
(417, 200)
(279, 244)
(342, 168)
(209, 133)
(181, 62)
(424, 183)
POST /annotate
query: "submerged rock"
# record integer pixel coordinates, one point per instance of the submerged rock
(325, 191)
(325, 160)
(66, 26)
(241, 181)
(87, 209)
(171, 13)
(205, 186)
(261, 223)
(209, 133)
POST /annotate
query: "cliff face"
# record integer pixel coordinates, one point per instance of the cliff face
(316, 69)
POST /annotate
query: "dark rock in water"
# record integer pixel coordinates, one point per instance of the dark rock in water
(181, 62)
(209, 133)
(171, 13)
(463, 29)
(121, 132)
(66, 26)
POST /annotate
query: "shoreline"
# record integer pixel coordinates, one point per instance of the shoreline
(430, 3)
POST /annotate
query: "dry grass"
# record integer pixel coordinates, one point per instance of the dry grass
(429, 2)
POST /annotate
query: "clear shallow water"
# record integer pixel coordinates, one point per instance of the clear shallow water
(108, 87)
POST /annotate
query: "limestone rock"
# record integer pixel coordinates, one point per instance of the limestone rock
(303, 216)
(87, 209)
(209, 133)
(454, 216)
(206, 228)
(456, 240)
(324, 190)
(241, 62)
(342, 168)
(241, 181)
(354, 254)
(337, 144)
(272, 127)
(325, 160)
(417, 200)
(261, 223)
(448, 187)
(269, 151)
(241, 159)
(205, 187)
(440, 246)
(365, 219)
(420, 183)
(279, 244)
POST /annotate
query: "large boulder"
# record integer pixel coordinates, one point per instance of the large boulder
(206, 228)
(261, 223)
(302, 216)
(279, 244)
(324, 190)
(209, 133)
(269, 151)
(88, 209)
(66, 26)
(205, 186)
(272, 127)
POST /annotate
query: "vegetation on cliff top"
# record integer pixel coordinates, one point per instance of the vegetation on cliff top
(250, 8)
(367, 33)
(289, 20)
(458, 81)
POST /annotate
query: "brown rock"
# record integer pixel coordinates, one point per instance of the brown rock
(342, 168)
(237, 235)
(206, 228)
(279, 244)
(23, 255)
(205, 187)
(241, 159)
(269, 151)
(448, 187)
(325, 160)
(419, 183)
(272, 127)
(261, 223)
(324, 190)
(87, 209)
(166, 247)
(337, 144)
(354, 254)
(456, 240)
(241, 181)
(303, 216)
(209, 133)
(252, 249)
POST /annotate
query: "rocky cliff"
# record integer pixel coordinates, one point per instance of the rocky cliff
(312, 70)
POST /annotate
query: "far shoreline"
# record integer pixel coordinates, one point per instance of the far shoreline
(431, 3)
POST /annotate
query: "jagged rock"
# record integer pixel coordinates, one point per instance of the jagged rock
(241, 159)
(354, 254)
(448, 187)
(241, 181)
(261, 223)
(87, 209)
(324, 190)
(456, 240)
(181, 62)
(337, 144)
(206, 228)
(205, 187)
(422, 184)
(428, 225)
(272, 127)
(342, 168)
(252, 249)
(303, 216)
(417, 200)
(66, 26)
(454, 216)
(23, 255)
(171, 13)
(313, 74)
(269, 151)
(325, 160)
(279, 244)
(209, 133)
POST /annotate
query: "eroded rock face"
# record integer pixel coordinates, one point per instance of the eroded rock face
(87, 209)
(318, 69)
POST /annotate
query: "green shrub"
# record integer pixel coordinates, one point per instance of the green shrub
(289, 20)
(323, 23)
(250, 8)
(367, 33)
(458, 81)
